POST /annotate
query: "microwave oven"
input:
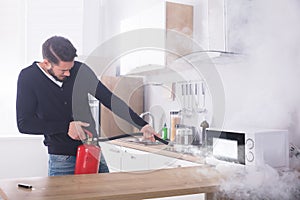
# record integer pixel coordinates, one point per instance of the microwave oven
(250, 147)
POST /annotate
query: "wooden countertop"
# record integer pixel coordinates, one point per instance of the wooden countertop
(121, 185)
(160, 149)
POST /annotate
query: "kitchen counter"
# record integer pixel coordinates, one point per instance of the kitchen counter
(160, 149)
(119, 185)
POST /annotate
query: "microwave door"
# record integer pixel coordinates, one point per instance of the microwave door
(227, 146)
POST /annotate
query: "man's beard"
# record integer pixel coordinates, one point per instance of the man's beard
(51, 72)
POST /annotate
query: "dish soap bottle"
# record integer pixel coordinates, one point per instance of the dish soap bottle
(165, 132)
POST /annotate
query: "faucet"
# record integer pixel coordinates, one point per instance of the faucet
(151, 117)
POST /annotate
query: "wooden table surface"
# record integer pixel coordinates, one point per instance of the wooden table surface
(120, 185)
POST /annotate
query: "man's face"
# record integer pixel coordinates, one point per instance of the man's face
(61, 71)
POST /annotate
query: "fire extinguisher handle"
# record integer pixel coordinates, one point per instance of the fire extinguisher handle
(88, 133)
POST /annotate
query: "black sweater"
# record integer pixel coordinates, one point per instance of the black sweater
(45, 108)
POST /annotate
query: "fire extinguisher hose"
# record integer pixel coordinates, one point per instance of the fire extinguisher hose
(101, 139)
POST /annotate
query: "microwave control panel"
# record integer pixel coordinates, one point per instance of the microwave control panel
(249, 147)
(249, 154)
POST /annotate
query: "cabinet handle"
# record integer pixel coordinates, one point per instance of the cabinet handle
(132, 157)
(115, 151)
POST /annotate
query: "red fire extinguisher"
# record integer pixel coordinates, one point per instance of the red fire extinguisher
(88, 157)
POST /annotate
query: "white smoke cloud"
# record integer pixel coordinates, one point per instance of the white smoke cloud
(257, 183)
(263, 91)
(268, 33)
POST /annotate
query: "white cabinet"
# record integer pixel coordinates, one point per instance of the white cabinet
(119, 158)
(134, 160)
(157, 161)
(113, 156)
(184, 163)
(162, 162)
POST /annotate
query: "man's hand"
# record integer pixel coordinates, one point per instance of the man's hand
(148, 133)
(76, 130)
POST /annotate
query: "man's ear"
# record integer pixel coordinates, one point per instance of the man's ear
(46, 63)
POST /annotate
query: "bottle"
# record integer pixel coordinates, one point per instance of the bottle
(204, 125)
(174, 119)
(165, 132)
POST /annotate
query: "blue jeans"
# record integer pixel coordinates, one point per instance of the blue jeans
(65, 165)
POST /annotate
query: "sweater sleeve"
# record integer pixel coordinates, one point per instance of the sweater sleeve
(26, 106)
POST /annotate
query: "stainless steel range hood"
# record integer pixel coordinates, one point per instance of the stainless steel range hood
(200, 57)
(215, 57)
(224, 21)
(222, 57)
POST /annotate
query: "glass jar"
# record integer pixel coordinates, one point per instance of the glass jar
(180, 131)
(188, 136)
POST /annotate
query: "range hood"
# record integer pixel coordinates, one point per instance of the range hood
(223, 23)
(214, 57)
(201, 57)
(220, 57)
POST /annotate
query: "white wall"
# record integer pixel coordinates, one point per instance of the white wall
(12, 59)
(23, 156)
(24, 26)
(44, 18)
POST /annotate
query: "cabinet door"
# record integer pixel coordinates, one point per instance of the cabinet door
(157, 161)
(113, 155)
(134, 160)
(179, 17)
(184, 163)
(162, 162)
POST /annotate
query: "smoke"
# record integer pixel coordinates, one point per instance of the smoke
(263, 91)
(258, 183)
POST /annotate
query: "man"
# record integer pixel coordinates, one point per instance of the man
(52, 99)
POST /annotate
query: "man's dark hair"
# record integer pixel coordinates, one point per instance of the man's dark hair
(57, 48)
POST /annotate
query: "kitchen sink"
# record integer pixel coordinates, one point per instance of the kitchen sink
(139, 140)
